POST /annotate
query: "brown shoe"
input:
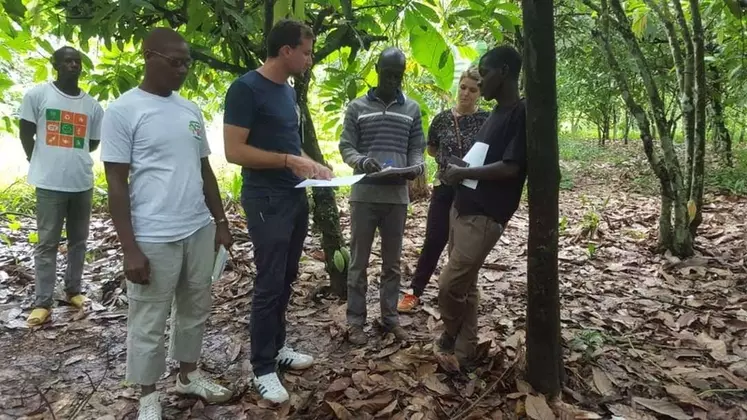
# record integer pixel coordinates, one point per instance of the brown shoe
(399, 333)
(445, 343)
(357, 336)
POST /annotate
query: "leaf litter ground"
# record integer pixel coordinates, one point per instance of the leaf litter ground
(645, 336)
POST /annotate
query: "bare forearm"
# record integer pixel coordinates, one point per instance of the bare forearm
(93, 145)
(494, 171)
(119, 208)
(28, 145)
(212, 194)
(255, 158)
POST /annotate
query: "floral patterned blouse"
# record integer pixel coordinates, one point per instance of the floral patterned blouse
(442, 134)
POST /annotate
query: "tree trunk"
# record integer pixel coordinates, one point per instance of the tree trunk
(721, 136)
(698, 168)
(418, 188)
(614, 123)
(544, 351)
(325, 214)
(665, 164)
(626, 133)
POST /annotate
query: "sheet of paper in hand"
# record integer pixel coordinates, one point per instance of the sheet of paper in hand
(389, 170)
(334, 182)
(220, 263)
(475, 157)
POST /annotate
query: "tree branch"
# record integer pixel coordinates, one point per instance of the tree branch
(217, 64)
(347, 40)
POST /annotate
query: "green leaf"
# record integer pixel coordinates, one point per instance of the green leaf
(15, 9)
(41, 73)
(426, 12)
(33, 237)
(352, 90)
(505, 22)
(430, 50)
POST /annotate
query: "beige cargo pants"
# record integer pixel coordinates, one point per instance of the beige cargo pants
(180, 272)
(471, 238)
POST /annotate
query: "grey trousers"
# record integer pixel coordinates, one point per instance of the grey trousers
(364, 219)
(52, 209)
(180, 273)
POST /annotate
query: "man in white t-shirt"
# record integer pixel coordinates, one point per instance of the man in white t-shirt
(60, 125)
(162, 193)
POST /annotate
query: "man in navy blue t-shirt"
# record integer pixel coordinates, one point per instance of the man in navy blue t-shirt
(261, 133)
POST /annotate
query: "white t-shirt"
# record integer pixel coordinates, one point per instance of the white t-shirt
(64, 125)
(163, 140)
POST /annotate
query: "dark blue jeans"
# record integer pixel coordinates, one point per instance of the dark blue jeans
(277, 226)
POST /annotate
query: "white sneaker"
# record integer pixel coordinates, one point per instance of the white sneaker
(289, 358)
(201, 387)
(150, 407)
(270, 388)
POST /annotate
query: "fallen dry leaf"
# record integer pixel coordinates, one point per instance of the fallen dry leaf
(629, 413)
(432, 382)
(663, 407)
(537, 408)
(685, 395)
(341, 412)
(602, 382)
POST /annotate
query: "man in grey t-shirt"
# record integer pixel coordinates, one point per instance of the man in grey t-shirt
(381, 128)
(162, 193)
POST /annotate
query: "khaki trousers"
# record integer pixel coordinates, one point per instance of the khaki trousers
(180, 272)
(470, 240)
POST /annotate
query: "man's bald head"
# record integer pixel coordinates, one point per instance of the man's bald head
(160, 39)
(392, 56)
(391, 70)
(167, 60)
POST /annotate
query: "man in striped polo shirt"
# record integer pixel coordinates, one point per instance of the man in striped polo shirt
(382, 128)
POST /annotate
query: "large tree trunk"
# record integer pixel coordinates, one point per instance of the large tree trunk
(324, 212)
(544, 351)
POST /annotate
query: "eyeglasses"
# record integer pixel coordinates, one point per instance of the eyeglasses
(174, 62)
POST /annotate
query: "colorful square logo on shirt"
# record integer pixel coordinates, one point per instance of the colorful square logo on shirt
(67, 129)
(66, 141)
(80, 119)
(68, 117)
(53, 139)
(53, 127)
(53, 114)
(79, 142)
(80, 130)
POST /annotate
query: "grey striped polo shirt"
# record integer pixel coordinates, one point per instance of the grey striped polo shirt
(390, 133)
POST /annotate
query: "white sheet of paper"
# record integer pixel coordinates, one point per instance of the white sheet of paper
(334, 182)
(390, 170)
(220, 263)
(475, 157)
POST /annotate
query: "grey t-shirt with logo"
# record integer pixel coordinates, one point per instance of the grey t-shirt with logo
(163, 140)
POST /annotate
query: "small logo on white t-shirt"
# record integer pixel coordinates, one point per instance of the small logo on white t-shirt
(196, 128)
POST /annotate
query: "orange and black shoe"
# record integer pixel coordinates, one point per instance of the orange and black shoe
(408, 303)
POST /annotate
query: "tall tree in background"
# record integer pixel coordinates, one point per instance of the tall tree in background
(544, 351)
(681, 185)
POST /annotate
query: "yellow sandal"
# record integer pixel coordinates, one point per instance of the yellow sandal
(78, 301)
(38, 317)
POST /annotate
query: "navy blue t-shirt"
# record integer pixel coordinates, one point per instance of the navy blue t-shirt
(270, 112)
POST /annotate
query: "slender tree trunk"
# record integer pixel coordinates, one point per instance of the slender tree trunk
(614, 123)
(721, 136)
(325, 214)
(544, 351)
(626, 133)
(698, 168)
(418, 188)
(665, 165)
